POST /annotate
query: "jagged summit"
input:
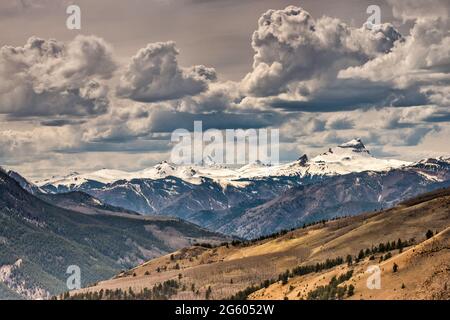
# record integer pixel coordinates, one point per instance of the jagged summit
(303, 160)
(356, 146)
(353, 144)
(350, 150)
(345, 158)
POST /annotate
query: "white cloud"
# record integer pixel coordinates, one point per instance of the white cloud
(423, 58)
(48, 78)
(419, 9)
(419, 65)
(299, 55)
(154, 75)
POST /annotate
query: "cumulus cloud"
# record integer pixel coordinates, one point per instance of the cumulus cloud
(424, 58)
(299, 55)
(419, 9)
(419, 65)
(49, 78)
(220, 97)
(154, 75)
(324, 65)
(322, 82)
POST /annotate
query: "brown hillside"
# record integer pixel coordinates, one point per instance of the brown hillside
(423, 273)
(229, 269)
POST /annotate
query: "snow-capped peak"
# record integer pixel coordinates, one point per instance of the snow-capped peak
(355, 144)
(343, 159)
(350, 157)
(254, 165)
(351, 150)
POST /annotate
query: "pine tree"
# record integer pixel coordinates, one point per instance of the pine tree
(208, 293)
(361, 255)
(351, 290)
(399, 244)
(395, 267)
(349, 260)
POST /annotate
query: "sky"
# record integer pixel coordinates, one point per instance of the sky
(109, 95)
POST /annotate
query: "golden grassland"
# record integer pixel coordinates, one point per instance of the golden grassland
(423, 270)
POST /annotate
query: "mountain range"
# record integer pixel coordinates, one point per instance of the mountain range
(259, 199)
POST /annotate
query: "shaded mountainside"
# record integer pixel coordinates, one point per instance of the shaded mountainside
(314, 253)
(83, 203)
(258, 199)
(335, 197)
(208, 204)
(38, 241)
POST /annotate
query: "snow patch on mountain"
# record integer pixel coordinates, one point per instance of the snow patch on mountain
(343, 159)
(351, 157)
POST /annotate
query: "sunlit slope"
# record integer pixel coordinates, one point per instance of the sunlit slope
(229, 269)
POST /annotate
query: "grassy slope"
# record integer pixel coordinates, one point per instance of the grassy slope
(423, 273)
(230, 269)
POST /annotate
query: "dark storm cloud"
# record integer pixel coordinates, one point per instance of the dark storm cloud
(60, 122)
(440, 116)
(352, 95)
(170, 121)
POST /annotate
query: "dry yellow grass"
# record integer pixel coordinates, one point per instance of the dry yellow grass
(423, 273)
(228, 269)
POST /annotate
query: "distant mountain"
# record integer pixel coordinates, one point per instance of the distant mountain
(339, 196)
(259, 198)
(38, 240)
(349, 157)
(83, 203)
